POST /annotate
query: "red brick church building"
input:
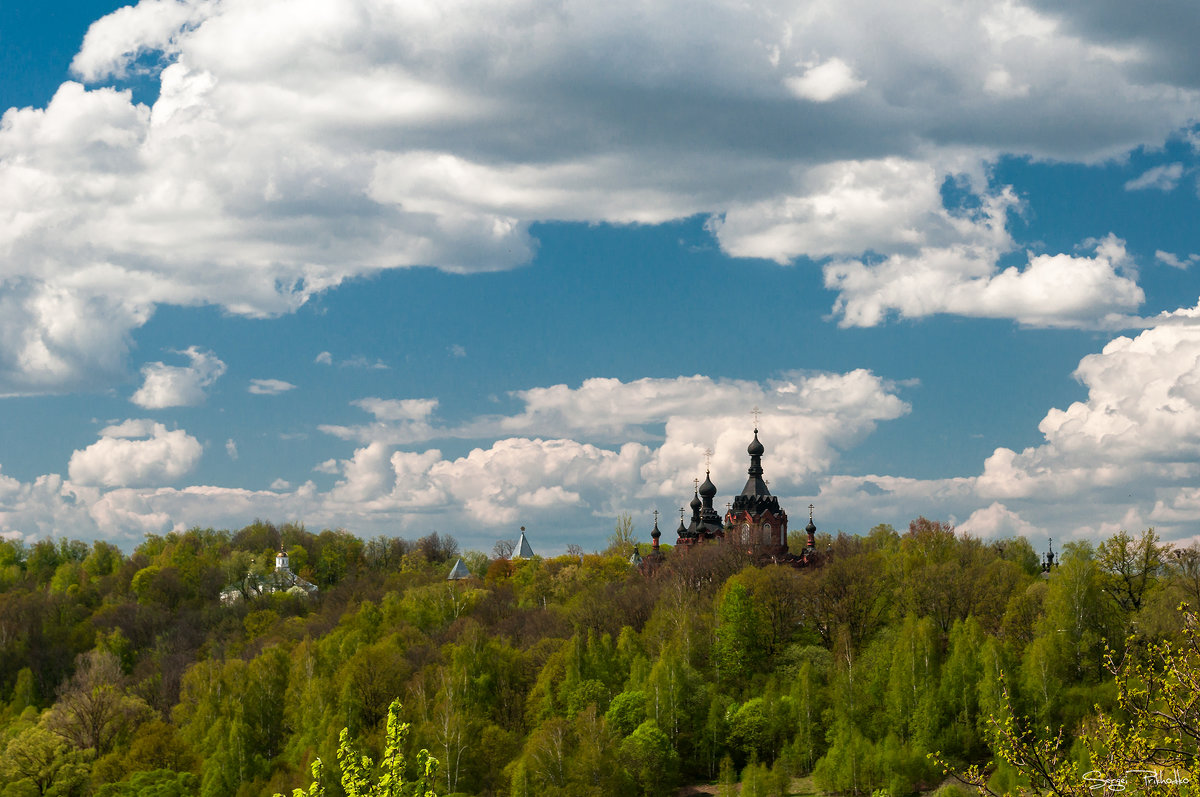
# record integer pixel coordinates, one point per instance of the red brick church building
(754, 520)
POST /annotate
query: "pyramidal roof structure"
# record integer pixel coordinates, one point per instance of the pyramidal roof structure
(524, 551)
(458, 571)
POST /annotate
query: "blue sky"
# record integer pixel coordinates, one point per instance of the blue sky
(404, 267)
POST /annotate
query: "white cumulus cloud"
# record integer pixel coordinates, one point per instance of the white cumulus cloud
(178, 386)
(1130, 455)
(135, 453)
(848, 207)
(1051, 290)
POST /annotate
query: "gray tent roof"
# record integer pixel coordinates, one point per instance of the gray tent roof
(458, 571)
(524, 551)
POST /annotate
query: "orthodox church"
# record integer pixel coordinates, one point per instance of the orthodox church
(754, 520)
(282, 579)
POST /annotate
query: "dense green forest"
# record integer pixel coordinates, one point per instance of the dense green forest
(125, 675)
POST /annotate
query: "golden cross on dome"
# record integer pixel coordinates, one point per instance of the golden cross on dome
(707, 459)
(696, 485)
(810, 509)
(755, 412)
(656, 517)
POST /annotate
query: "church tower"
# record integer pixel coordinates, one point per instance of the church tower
(755, 520)
(706, 523)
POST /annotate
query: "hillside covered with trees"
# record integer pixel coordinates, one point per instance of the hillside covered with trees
(125, 675)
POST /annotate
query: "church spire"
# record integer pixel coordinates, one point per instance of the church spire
(755, 485)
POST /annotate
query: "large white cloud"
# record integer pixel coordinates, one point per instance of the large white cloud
(810, 417)
(849, 207)
(1051, 290)
(135, 453)
(178, 386)
(293, 145)
(1141, 419)
(45, 507)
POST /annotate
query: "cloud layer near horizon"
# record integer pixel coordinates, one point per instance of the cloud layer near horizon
(292, 146)
(1116, 459)
(119, 486)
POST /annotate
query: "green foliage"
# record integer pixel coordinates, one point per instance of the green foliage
(1153, 730)
(94, 710)
(851, 765)
(650, 758)
(626, 712)
(751, 731)
(740, 647)
(44, 762)
(755, 780)
(952, 790)
(1131, 567)
(361, 777)
(568, 675)
(622, 540)
(727, 779)
(154, 783)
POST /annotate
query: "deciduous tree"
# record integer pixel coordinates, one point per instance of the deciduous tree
(1131, 567)
(361, 777)
(93, 709)
(1150, 744)
(43, 759)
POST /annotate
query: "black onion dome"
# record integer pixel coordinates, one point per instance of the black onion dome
(755, 449)
(811, 527)
(696, 503)
(656, 533)
(708, 489)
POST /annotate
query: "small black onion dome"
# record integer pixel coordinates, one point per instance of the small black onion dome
(810, 528)
(708, 489)
(682, 528)
(656, 533)
(755, 449)
(696, 502)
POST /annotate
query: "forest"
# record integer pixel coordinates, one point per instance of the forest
(125, 675)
